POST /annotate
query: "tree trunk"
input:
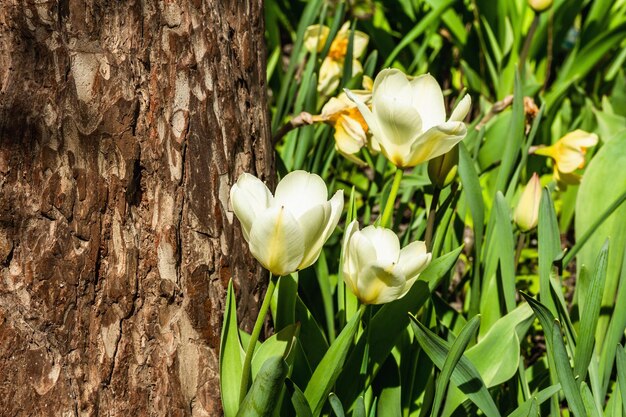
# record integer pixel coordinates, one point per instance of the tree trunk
(123, 125)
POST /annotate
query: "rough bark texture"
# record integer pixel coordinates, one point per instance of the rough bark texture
(122, 126)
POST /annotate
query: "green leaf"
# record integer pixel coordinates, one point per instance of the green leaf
(426, 22)
(515, 138)
(503, 241)
(549, 247)
(330, 366)
(359, 408)
(472, 192)
(594, 196)
(231, 356)
(311, 335)
(389, 400)
(335, 404)
(465, 376)
(590, 404)
(300, 405)
(262, 399)
(564, 372)
(456, 352)
(276, 345)
(589, 316)
(502, 341)
(284, 301)
(581, 62)
(528, 408)
(620, 359)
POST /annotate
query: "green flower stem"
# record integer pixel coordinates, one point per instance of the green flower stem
(366, 355)
(526, 48)
(432, 213)
(384, 221)
(258, 325)
(521, 242)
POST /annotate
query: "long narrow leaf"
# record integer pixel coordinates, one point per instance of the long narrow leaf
(231, 356)
(464, 376)
(328, 369)
(564, 371)
(589, 315)
(456, 352)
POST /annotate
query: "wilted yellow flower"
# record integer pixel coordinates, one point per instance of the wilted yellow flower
(408, 118)
(331, 70)
(351, 132)
(286, 232)
(568, 154)
(375, 269)
(526, 213)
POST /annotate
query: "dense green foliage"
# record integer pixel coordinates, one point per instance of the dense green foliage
(501, 322)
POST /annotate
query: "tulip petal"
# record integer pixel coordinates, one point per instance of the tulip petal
(407, 286)
(299, 190)
(385, 242)
(349, 135)
(312, 223)
(399, 121)
(414, 258)
(350, 266)
(330, 74)
(315, 37)
(367, 114)
(436, 141)
(360, 43)
(378, 285)
(277, 241)
(249, 197)
(427, 99)
(580, 139)
(568, 159)
(461, 109)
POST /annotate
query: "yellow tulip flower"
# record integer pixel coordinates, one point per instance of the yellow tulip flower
(331, 70)
(351, 132)
(408, 118)
(568, 154)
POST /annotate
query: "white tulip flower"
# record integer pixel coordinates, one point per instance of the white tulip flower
(408, 118)
(375, 269)
(286, 232)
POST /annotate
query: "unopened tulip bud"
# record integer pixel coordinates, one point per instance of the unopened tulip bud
(540, 5)
(526, 213)
(442, 170)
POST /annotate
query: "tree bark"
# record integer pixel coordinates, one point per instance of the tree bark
(123, 125)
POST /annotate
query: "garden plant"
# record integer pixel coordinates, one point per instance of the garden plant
(448, 230)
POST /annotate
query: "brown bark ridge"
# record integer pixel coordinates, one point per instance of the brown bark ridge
(123, 125)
